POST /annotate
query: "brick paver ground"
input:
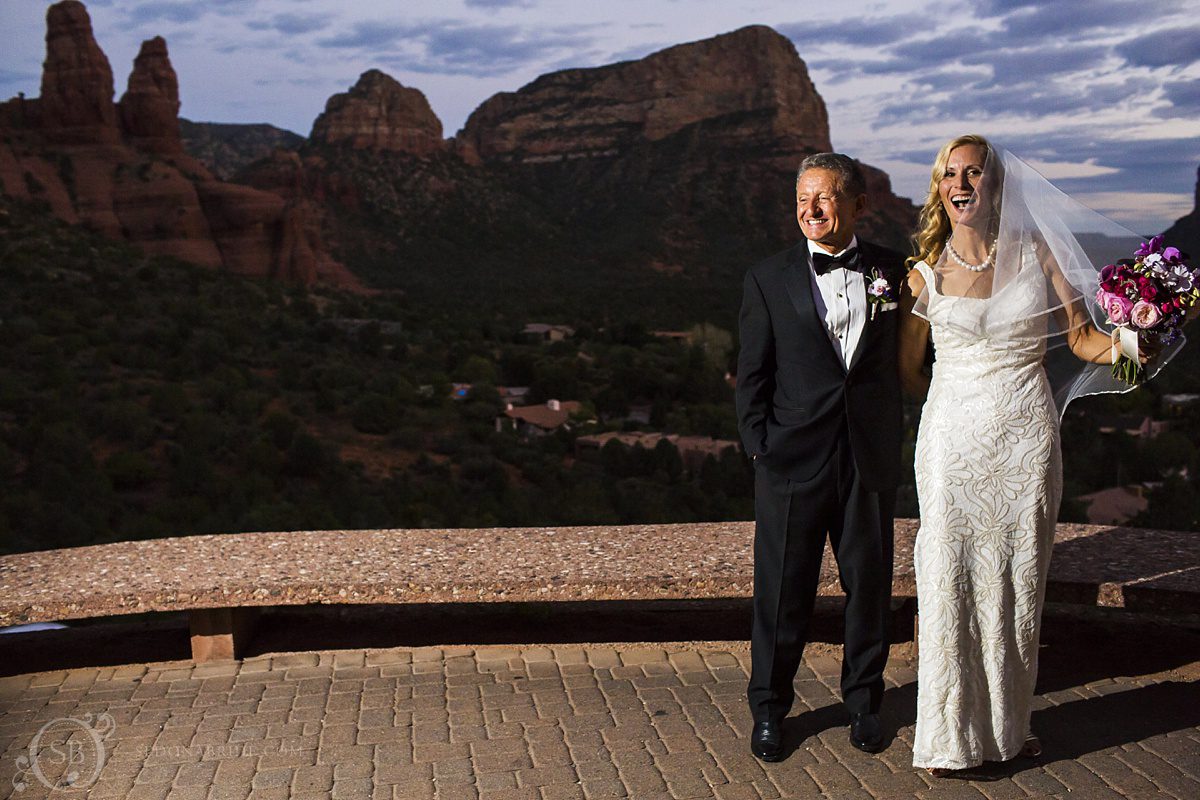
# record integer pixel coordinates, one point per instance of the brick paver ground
(550, 722)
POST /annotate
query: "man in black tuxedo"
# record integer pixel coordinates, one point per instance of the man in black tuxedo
(819, 411)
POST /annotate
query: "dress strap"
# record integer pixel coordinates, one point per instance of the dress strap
(927, 274)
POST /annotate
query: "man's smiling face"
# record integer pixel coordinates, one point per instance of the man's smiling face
(825, 213)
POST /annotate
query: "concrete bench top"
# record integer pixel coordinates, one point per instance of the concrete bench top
(1125, 567)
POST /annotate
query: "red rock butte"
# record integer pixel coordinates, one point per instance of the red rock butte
(751, 80)
(378, 113)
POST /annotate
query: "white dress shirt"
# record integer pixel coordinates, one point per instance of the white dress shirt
(841, 298)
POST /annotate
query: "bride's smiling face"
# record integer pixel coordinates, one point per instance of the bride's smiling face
(964, 169)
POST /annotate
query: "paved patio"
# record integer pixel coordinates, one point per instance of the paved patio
(1119, 710)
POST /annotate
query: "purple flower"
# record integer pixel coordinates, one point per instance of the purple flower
(1172, 255)
(1108, 272)
(1115, 306)
(1152, 246)
(1144, 315)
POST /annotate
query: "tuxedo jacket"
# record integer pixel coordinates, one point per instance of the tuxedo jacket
(794, 396)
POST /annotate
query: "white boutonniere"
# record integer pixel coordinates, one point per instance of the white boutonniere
(880, 293)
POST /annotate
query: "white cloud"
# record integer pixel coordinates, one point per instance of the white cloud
(1138, 211)
(1055, 170)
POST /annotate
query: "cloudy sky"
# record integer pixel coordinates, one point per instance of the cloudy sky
(1103, 95)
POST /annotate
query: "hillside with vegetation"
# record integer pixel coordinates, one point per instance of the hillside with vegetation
(227, 148)
(145, 397)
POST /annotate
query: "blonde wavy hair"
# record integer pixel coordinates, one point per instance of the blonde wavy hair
(934, 225)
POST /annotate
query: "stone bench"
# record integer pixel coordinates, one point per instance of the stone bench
(222, 579)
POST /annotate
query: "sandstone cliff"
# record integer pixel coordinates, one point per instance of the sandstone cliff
(380, 114)
(121, 169)
(749, 88)
(698, 142)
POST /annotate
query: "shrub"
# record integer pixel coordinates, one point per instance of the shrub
(169, 401)
(375, 413)
(281, 428)
(306, 457)
(127, 421)
(128, 470)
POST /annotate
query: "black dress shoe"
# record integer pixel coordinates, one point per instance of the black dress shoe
(866, 733)
(767, 740)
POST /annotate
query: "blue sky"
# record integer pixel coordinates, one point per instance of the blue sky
(1102, 95)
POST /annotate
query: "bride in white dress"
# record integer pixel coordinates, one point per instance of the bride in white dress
(995, 287)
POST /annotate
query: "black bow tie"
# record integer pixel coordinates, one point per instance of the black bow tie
(822, 262)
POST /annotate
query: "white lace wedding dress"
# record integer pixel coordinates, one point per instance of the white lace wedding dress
(989, 482)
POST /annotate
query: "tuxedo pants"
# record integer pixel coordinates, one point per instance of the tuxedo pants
(792, 521)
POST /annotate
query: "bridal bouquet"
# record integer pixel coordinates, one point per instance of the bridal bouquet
(1148, 300)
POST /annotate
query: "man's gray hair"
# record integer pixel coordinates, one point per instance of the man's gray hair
(849, 174)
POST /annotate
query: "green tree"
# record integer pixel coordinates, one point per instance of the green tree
(375, 413)
(477, 369)
(128, 470)
(306, 457)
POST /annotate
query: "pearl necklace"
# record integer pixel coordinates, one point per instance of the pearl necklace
(962, 262)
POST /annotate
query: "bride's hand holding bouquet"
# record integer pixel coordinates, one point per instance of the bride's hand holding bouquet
(1149, 300)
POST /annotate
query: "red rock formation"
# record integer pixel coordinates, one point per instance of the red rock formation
(77, 82)
(749, 85)
(295, 177)
(284, 173)
(159, 208)
(295, 259)
(304, 183)
(259, 233)
(713, 129)
(300, 255)
(67, 149)
(380, 114)
(150, 105)
(243, 223)
(28, 177)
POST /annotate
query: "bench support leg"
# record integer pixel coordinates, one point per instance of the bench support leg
(221, 633)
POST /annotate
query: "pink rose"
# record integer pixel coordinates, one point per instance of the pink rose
(1144, 315)
(1116, 307)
